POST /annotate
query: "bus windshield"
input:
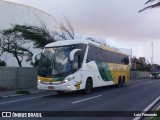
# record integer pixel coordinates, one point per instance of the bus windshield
(55, 61)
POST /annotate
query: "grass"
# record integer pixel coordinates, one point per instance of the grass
(156, 118)
(23, 92)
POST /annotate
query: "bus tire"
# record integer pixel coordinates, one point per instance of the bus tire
(88, 87)
(60, 92)
(120, 82)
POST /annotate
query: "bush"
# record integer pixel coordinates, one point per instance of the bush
(2, 63)
(23, 92)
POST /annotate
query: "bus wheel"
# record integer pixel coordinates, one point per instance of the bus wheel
(88, 87)
(60, 92)
(120, 82)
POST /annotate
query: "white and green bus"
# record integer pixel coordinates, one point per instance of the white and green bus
(72, 65)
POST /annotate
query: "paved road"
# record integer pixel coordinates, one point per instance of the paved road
(135, 96)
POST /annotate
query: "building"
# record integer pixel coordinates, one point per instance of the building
(142, 60)
(135, 62)
(13, 13)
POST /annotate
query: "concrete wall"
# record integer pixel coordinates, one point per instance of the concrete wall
(18, 78)
(21, 78)
(139, 75)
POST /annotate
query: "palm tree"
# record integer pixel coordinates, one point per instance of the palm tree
(155, 5)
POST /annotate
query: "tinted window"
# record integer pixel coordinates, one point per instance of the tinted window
(98, 54)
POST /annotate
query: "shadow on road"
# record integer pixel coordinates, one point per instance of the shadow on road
(80, 93)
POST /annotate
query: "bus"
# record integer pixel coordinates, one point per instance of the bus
(72, 65)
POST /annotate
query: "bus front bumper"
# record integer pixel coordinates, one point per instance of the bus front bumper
(58, 87)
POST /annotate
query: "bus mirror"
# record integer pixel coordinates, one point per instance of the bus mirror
(87, 61)
(75, 64)
(126, 60)
(34, 56)
(73, 52)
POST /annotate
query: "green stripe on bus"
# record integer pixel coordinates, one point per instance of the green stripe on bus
(104, 71)
(59, 78)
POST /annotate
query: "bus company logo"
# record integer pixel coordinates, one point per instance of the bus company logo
(78, 85)
(6, 114)
(118, 67)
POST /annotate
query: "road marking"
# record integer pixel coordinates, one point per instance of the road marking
(141, 84)
(23, 99)
(134, 86)
(148, 108)
(86, 99)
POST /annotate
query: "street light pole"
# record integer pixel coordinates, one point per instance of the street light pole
(152, 53)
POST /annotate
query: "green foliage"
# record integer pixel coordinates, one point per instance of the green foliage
(140, 66)
(40, 36)
(13, 40)
(14, 43)
(23, 92)
(2, 63)
(158, 114)
(146, 67)
(155, 5)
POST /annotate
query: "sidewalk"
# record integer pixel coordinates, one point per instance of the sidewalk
(11, 93)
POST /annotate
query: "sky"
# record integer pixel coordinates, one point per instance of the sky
(117, 21)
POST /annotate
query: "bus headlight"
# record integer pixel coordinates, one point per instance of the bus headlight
(68, 79)
(65, 80)
(68, 86)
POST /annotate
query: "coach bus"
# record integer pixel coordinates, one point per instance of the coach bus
(72, 65)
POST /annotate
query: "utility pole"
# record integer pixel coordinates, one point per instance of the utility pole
(152, 53)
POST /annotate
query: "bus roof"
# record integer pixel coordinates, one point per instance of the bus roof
(82, 41)
(70, 42)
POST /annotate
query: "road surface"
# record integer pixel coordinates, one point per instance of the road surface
(134, 96)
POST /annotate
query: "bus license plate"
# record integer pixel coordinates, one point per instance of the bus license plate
(50, 87)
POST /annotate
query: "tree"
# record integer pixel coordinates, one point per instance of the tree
(65, 32)
(155, 5)
(15, 39)
(140, 66)
(2, 63)
(40, 36)
(13, 43)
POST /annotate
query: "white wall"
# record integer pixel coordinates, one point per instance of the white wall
(13, 13)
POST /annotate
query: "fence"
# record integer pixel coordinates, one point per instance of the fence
(139, 75)
(21, 78)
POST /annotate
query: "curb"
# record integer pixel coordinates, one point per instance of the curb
(148, 108)
(16, 95)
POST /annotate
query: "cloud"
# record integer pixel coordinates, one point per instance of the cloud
(115, 19)
(118, 19)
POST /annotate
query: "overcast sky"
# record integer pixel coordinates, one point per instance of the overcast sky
(118, 21)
